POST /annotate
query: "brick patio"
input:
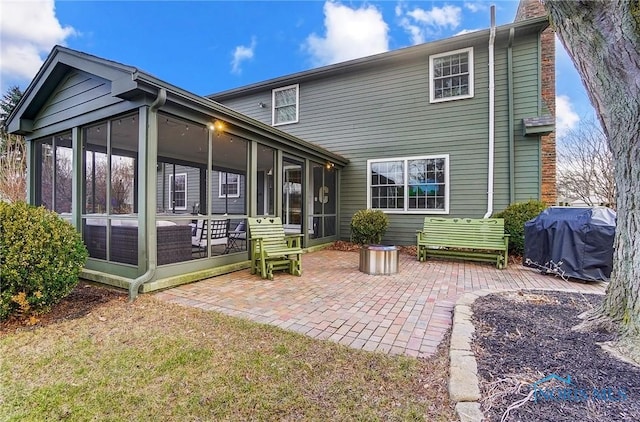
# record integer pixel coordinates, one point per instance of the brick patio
(406, 313)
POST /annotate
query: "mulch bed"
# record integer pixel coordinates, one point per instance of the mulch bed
(82, 300)
(341, 245)
(523, 337)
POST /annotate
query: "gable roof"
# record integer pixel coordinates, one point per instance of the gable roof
(521, 28)
(129, 82)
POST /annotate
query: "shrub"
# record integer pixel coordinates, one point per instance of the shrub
(41, 256)
(368, 226)
(515, 215)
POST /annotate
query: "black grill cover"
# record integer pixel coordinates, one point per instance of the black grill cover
(580, 238)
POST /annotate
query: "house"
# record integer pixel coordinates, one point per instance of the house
(143, 169)
(460, 127)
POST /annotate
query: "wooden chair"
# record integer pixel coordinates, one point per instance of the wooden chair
(272, 249)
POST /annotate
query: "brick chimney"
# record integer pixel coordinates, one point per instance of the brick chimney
(528, 9)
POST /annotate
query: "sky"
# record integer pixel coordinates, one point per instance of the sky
(211, 46)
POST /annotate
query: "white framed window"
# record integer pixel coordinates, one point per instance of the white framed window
(285, 105)
(229, 185)
(414, 185)
(178, 191)
(451, 75)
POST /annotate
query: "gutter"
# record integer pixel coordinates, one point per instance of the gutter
(512, 152)
(492, 88)
(150, 216)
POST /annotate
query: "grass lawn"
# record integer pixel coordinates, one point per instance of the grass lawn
(155, 361)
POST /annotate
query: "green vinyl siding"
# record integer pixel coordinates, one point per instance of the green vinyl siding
(527, 103)
(77, 92)
(383, 111)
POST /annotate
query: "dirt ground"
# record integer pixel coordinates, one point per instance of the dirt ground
(82, 300)
(522, 338)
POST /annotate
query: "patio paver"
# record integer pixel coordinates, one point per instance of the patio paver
(405, 313)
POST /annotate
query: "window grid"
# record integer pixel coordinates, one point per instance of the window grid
(387, 185)
(285, 105)
(426, 184)
(178, 198)
(452, 75)
(414, 184)
(229, 184)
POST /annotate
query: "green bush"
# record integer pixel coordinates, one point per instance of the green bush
(41, 256)
(368, 227)
(515, 215)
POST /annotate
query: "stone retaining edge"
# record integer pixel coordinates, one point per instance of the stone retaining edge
(464, 386)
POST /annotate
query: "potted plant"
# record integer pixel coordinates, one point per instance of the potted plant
(368, 226)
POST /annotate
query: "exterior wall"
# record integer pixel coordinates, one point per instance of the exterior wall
(526, 103)
(235, 205)
(530, 9)
(193, 188)
(384, 112)
(78, 92)
(526, 149)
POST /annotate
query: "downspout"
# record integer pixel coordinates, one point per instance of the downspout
(492, 37)
(150, 198)
(512, 151)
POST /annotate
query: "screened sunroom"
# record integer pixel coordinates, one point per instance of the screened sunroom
(160, 181)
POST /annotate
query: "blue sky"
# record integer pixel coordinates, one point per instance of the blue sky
(211, 46)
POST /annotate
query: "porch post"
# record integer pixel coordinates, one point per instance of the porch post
(77, 180)
(31, 173)
(252, 180)
(147, 163)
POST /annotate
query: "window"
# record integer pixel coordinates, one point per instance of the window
(285, 105)
(411, 185)
(229, 184)
(178, 191)
(451, 75)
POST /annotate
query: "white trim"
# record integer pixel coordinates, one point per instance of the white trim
(222, 195)
(273, 104)
(185, 191)
(432, 94)
(406, 210)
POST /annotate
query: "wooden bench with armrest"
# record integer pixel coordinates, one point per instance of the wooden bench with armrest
(464, 238)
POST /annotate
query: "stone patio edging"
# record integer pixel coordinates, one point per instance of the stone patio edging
(464, 386)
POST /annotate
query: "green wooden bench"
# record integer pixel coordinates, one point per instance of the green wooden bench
(272, 249)
(464, 238)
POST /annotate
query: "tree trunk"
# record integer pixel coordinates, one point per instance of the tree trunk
(603, 40)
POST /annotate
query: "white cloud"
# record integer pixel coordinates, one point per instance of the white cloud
(566, 117)
(421, 24)
(417, 34)
(476, 7)
(29, 29)
(240, 54)
(438, 16)
(349, 34)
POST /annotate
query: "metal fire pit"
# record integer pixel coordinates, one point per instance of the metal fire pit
(379, 259)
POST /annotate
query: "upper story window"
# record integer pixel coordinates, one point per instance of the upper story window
(229, 184)
(451, 75)
(178, 191)
(285, 105)
(409, 185)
